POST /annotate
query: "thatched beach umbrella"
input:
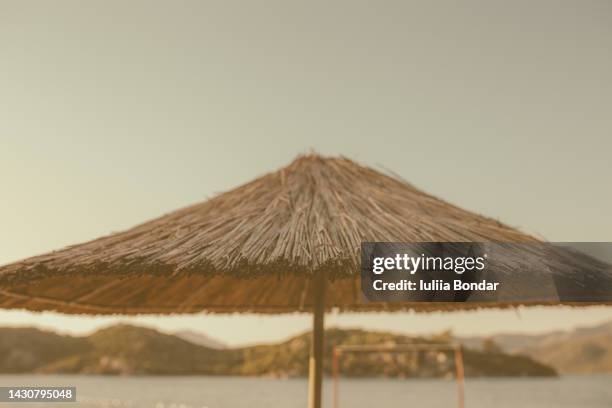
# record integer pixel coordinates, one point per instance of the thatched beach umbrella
(288, 241)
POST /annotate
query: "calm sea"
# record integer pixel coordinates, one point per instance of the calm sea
(233, 392)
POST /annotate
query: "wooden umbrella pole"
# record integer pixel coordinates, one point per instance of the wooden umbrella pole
(335, 374)
(460, 376)
(315, 375)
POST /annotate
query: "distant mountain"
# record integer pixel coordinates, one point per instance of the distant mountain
(26, 349)
(510, 343)
(130, 350)
(583, 350)
(200, 339)
(290, 358)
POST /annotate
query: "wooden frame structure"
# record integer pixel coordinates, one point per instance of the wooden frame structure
(403, 348)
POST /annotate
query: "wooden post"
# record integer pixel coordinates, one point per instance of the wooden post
(336, 374)
(460, 376)
(315, 367)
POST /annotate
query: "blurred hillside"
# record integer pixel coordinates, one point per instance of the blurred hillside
(129, 350)
(580, 351)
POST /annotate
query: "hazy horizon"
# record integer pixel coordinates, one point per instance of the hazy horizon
(391, 322)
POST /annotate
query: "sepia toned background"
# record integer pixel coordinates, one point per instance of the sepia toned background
(115, 112)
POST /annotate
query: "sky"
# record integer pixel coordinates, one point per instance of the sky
(113, 112)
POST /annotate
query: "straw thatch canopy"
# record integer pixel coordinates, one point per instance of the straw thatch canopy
(253, 248)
